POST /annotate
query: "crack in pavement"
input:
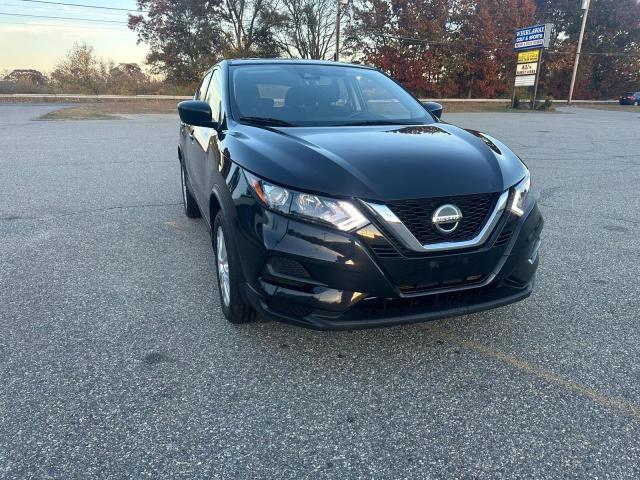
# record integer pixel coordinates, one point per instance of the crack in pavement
(13, 218)
(89, 164)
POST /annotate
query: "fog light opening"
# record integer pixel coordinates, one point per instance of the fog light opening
(534, 253)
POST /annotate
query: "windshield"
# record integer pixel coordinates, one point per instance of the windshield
(320, 95)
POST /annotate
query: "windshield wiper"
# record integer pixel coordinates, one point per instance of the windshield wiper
(269, 121)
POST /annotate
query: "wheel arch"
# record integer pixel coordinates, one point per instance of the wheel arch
(214, 206)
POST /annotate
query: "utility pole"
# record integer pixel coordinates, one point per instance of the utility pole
(585, 9)
(339, 3)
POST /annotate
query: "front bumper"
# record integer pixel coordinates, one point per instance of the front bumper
(318, 277)
(389, 312)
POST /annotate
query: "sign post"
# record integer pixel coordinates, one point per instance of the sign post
(530, 43)
(536, 82)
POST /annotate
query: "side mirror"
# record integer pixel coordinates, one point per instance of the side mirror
(196, 113)
(434, 108)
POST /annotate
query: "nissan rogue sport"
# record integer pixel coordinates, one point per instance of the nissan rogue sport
(337, 200)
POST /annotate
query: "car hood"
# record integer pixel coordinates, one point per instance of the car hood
(377, 163)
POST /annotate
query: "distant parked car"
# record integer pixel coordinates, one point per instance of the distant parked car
(630, 98)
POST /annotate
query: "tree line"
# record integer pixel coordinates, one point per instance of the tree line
(436, 48)
(81, 71)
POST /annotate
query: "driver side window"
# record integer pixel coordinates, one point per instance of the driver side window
(202, 89)
(213, 95)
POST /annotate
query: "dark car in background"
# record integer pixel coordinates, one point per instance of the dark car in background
(630, 98)
(337, 200)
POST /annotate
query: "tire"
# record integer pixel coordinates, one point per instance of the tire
(191, 208)
(233, 306)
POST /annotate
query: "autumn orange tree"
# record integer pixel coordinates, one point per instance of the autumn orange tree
(464, 48)
(486, 56)
(443, 47)
(410, 39)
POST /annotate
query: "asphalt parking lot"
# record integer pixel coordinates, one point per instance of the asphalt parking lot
(116, 362)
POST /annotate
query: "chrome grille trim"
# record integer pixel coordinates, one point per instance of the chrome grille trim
(389, 219)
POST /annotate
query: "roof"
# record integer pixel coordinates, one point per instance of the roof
(258, 61)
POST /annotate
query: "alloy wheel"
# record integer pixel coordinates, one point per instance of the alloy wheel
(184, 187)
(223, 267)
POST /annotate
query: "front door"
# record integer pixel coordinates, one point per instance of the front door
(193, 150)
(206, 149)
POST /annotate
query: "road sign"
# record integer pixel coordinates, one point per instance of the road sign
(525, 80)
(526, 68)
(533, 37)
(529, 56)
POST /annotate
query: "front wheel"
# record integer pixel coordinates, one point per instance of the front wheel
(234, 308)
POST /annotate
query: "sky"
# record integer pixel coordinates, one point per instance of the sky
(30, 42)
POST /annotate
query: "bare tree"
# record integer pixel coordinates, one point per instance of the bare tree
(81, 71)
(309, 30)
(250, 21)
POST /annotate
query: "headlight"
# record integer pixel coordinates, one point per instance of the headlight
(341, 214)
(520, 192)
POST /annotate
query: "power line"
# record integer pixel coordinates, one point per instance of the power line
(83, 5)
(505, 47)
(62, 18)
(55, 9)
(93, 27)
(601, 54)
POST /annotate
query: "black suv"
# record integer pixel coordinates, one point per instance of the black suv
(337, 200)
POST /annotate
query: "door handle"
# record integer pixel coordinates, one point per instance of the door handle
(191, 135)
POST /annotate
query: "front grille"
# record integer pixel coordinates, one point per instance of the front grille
(416, 216)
